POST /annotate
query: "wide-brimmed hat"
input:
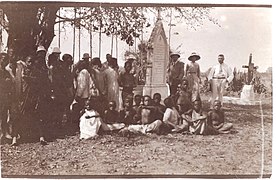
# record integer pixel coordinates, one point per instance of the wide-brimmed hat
(194, 54)
(40, 48)
(86, 56)
(56, 50)
(175, 54)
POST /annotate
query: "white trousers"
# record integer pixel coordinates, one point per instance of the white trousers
(218, 88)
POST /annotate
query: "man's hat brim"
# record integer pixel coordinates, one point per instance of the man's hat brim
(174, 54)
(197, 57)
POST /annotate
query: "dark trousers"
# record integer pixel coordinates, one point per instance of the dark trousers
(9, 110)
(173, 89)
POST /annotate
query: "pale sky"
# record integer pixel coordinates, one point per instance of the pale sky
(243, 31)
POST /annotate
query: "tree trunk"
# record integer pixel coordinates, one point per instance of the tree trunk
(26, 31)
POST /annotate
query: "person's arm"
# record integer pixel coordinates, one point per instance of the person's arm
(186, 70)
(230, 74)
(120, 79)
(181, 71)
(211, 73)
(198, 73)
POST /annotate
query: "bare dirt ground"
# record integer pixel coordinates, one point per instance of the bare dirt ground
(235, 154)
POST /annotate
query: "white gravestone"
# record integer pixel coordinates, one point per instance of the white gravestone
(157, 62)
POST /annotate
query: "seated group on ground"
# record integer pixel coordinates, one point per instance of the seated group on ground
(147, 115)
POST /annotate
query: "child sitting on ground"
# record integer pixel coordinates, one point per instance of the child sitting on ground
(111, 115)
(159, 108)
(217, 120)
(198, 121)
(146, 111)
(91, 121)
(127, 115)
(147, 123)
(171, 119)
(137, 100)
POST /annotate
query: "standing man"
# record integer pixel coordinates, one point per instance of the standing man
(219, 76)
(175, 72)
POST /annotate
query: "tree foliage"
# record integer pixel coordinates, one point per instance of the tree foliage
(32, 24)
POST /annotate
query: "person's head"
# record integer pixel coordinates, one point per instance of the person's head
(113, 63)
(112, 105)
(10, 52)
(220, 58)
(67, 59)
(179, 88)
(85, 57)
(52, 59)
(56, 52)
(108, 57)
(147, 100)
(41, 52)
(3, 60)
(137, 99)
(217, 105)
(185, 84)
(96, 63)
(197, 105)
(174, 57)
(194, 57)
(89, 104)
(128, 66)
(157, 98)
(169, 102)
(128, 103)
(93, 103)
(29, 60)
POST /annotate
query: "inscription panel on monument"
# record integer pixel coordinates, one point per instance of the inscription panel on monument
(158, 73)
(159, 61)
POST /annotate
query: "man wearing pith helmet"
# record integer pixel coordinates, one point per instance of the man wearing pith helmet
(175, 72)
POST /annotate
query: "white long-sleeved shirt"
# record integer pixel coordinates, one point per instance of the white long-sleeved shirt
(226, 72)
(84, 84)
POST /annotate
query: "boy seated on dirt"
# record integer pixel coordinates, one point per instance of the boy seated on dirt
(145, 117)
(159, 108)
(111, 115)
(217, 119)
(198, 120)
(137, 101)
(146, 112)
(127, 115)
(171, 119)
(91, 121)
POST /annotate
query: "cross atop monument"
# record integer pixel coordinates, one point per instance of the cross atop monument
(159, 14)
(251, 69)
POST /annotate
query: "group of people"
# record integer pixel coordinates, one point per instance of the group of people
(40, 90)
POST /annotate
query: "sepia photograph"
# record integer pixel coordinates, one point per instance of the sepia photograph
(107, 89)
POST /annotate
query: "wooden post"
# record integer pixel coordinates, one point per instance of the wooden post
(74, 34)
(111, 50)
(90, 42)
(59, 29)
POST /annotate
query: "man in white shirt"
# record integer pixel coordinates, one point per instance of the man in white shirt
(219, 76)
